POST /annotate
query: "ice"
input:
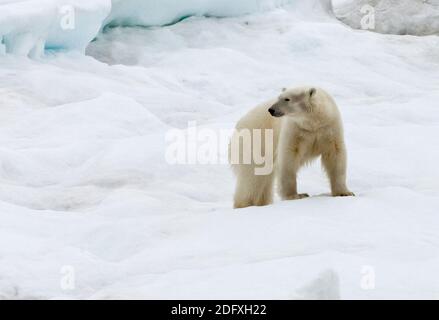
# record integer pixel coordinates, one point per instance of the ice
(150, 13)
(86, 193)
(414, 17)
(28, 27)
(31, 27)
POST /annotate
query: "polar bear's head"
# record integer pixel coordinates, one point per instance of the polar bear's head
(293, 102)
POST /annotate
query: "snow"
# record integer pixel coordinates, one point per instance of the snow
(415, 17)
(85, 190)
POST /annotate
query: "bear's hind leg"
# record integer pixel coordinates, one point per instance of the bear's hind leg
(253, 190)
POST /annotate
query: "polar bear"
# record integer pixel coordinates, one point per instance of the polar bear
(300, 125)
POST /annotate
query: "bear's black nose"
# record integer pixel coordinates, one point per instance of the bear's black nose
(271, 110)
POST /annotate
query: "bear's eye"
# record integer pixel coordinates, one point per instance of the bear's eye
(286, 99)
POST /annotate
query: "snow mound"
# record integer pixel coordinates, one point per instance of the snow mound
(414, 17)
(325, 287)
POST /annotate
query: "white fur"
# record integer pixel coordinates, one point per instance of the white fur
(308, 125)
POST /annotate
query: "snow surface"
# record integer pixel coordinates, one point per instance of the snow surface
(84, 185)
(415, 17)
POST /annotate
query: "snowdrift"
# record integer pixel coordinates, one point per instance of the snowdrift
(413, 17)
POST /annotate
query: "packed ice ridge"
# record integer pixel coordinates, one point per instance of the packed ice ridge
(29, 27)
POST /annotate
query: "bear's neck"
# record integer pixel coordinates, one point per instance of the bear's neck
(311, 122)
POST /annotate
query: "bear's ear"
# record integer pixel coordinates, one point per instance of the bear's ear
(284, 89)
(312, 92)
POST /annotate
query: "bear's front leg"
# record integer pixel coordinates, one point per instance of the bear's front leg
(287, 177)
(335, 161)
(288, 186)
